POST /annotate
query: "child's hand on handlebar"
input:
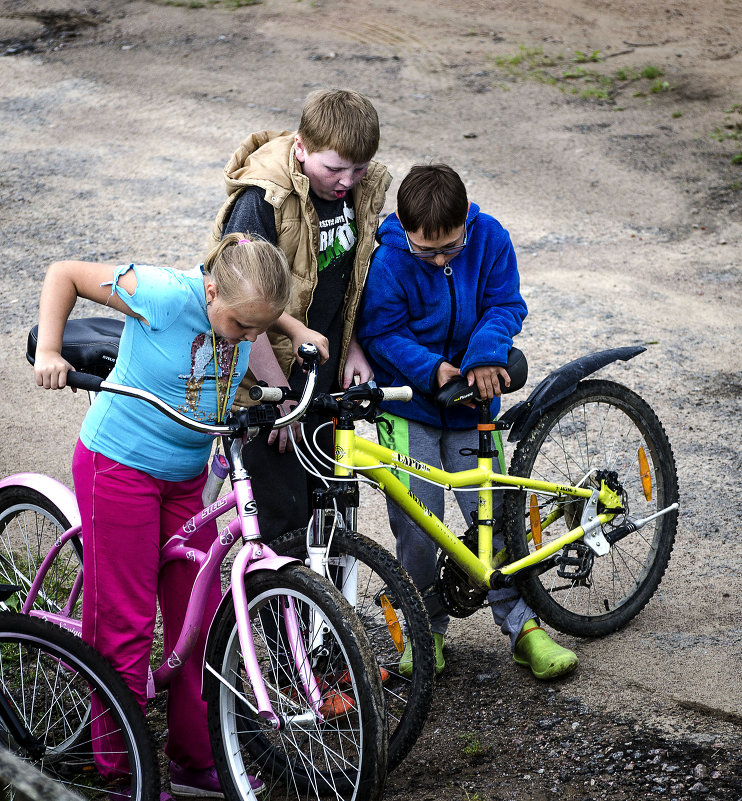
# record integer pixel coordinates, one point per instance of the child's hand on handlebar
(50, 370)
(356, 364)
(282, 434)
(301, 335)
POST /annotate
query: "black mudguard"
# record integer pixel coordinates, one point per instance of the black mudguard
(557, 385)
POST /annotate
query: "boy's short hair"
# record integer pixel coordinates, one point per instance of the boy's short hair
(340, 120)
(432, 199)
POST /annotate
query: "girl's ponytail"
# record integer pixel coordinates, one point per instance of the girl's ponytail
(244, 265)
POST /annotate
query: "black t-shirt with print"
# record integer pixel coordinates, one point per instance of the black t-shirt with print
(337, 243)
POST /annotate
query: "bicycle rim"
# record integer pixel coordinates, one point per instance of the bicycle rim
(602, 426)
(89, 729)
(391, 611)
(340, 757)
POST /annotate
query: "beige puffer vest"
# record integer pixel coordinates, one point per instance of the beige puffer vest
(267, 159)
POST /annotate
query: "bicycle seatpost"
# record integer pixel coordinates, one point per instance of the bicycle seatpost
(485, 427)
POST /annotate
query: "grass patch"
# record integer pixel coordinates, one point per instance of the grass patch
(660, 86)
(582, 74)
(584, 58)
(731, 130)
(472, 748)
(627, 74)
(526, 60)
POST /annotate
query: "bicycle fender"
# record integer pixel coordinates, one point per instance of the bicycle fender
(272, 563)
(59, 494)
(557, 385)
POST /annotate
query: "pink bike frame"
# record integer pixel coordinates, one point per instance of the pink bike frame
(253, 556)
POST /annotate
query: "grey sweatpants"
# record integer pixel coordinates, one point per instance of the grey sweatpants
(415, 550)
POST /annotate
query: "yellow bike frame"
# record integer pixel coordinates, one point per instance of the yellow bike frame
(356, 454)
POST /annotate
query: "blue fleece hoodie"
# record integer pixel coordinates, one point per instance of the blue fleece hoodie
(414, 316)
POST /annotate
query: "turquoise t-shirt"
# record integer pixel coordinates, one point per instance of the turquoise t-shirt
(173, 358)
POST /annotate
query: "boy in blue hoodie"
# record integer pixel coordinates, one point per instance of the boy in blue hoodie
(443, 300)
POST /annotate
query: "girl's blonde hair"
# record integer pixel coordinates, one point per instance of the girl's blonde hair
(244, 266)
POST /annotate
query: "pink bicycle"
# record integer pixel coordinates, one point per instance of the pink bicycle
(284, 645)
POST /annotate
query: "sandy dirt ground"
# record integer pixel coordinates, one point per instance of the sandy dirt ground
(605, 135)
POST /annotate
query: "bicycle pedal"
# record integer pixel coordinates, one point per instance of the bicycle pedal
(578, 567)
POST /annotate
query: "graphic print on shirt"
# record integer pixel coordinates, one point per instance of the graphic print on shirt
(337, 236)
(202, 369)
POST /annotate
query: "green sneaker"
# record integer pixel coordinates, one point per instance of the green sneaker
(536, 650)
(440, 662)
(405, 663)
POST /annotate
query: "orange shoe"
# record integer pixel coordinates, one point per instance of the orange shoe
(344, 678)
(335, 703)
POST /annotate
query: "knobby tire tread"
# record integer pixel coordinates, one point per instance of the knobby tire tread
(516, 508)
(410, 723)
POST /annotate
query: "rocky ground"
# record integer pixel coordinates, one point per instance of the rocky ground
(605, 135)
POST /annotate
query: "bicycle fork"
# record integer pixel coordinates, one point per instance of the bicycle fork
(250, 559)
(340, 502)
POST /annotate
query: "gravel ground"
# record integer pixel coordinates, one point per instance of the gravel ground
(117, 118)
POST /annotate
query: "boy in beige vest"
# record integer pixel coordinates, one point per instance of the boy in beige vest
(316, 194)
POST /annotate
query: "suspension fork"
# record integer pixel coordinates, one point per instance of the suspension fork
(341, 501)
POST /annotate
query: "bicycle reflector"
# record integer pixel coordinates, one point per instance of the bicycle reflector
(645, 475)
(392, 623)
(535, 515)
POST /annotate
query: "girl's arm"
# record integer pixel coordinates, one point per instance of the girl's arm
(299, 334)
(65, 282)
(264, 366)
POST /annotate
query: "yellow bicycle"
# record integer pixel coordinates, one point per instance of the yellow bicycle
(590, 516)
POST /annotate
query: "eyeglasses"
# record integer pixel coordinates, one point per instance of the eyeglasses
(431, 254)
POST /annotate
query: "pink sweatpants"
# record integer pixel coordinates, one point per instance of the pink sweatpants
(126, 516)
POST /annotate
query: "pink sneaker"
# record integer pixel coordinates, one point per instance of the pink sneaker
(203, 783)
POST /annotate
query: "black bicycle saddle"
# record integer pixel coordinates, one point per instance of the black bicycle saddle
(90, 344)
(458, 391)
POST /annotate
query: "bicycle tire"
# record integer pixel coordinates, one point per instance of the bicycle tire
(30, 524)
(600, 426)
(48, 675)
(407, 700)
(342, 758)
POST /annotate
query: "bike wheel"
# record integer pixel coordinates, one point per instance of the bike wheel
(399, 618)
(341, 757)
(78, 711)
(30, 524)
(601, 426)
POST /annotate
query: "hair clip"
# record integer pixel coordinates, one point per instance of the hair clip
(244, 242)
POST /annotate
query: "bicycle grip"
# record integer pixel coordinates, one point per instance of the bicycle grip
(91, 383)
(397, 393)
(266, 394)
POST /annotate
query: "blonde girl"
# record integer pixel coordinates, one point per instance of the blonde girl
(139, 475)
